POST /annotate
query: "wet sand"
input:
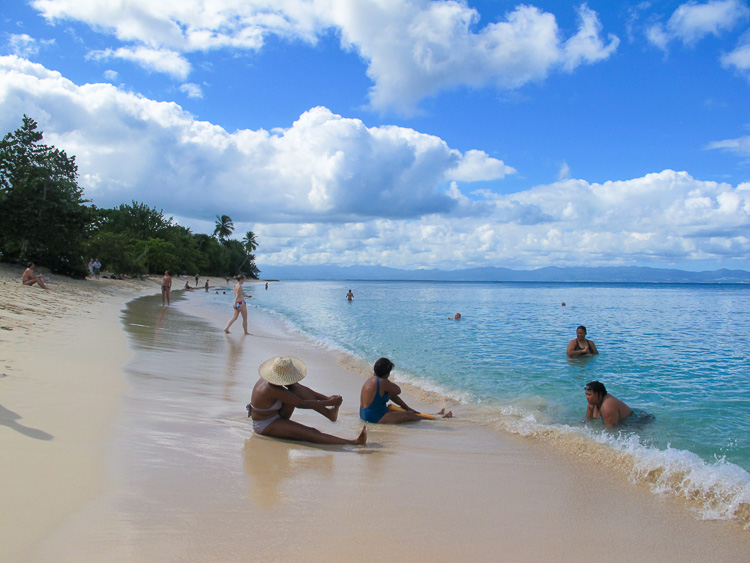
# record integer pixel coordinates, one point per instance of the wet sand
(167, 467)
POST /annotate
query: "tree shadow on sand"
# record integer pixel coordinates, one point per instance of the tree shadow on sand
(8, 418)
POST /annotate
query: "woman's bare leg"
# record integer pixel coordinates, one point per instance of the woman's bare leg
(290, 430)
(231, 321)
(243, 310)
(400, 417)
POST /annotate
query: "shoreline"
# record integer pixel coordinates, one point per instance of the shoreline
(443, 490)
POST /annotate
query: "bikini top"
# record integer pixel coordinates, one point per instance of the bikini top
(275, 407)
(578, 345)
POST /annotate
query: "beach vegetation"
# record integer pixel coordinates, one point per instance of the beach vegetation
(45, 216)
(45, 219)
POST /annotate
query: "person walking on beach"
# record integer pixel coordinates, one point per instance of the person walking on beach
(278, 392)
(378, 390)
(579, 346)
(206, 286)
(166, 287)
(30, 278)
(240, 307)
(97, 268)
(349, 296)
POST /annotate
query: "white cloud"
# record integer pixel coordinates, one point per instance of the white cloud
(693, 21)
(413, 49)
(322, 168)
(111, 75)
(331, 189)
(23, 45)
(739, 59)
(155, 60)
(192, 90)
(739, 146)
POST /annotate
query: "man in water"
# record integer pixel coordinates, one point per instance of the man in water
(610, 409)
(350, 295)
(166, 287)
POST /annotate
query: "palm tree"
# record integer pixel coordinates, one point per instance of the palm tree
(224, 227)
(250, 243)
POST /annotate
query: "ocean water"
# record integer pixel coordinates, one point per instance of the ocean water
(679, 352)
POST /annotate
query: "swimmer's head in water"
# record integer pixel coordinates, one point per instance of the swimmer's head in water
(458, 316)
(596, 387)
(383, 367)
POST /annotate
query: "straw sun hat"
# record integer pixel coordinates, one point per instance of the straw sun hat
(282, 370)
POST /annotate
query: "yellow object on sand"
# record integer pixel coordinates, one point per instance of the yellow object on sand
(395, 408)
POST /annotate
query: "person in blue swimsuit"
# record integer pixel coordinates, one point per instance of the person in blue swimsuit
(378, 390)
(279, 391)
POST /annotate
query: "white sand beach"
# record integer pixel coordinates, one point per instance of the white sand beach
(86, 476)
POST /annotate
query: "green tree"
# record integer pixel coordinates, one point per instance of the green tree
(44, 216)
(250, 243)
(224, 227)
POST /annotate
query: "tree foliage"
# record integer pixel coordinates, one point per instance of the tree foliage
(44, 216)
(46, 220)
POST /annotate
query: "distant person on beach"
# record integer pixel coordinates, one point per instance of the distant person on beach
(278, 392)
(266, 286)
(187, 286)
(378, 390)
(206, 286)
(579, 346)
(91, 267)
(97, 268)
(166, 287)
(349, 296)
(456, 318)
(240, 307)
(197, 277)
(610, 409)
(30, 278)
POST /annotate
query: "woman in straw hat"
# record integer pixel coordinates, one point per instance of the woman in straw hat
(278, 392)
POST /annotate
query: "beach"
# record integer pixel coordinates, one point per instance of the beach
(125, 439)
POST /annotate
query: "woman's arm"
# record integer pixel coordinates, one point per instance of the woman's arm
(289, 398)
(592, 347)
(394, 391)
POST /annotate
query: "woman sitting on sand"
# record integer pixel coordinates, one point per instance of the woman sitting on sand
(378, 390)
(30, 278)
(278, 392)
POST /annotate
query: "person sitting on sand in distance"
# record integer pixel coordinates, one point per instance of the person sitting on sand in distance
(378, 390)
(279, 391)
(579, 346)
(240, 307)
(610, 409)
(166, 287)
(30, 278)
(349, 296)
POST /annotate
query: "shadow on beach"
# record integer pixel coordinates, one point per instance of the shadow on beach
(8, 418)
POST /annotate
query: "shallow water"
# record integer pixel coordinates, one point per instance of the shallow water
(678, 352)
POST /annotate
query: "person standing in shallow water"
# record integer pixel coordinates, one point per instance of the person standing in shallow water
(349, 296)
(240, 307)
(166, 287)
(579, 346)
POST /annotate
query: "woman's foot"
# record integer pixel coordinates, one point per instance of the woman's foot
(332, 413)
(362, 438)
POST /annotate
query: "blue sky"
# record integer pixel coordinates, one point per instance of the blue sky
(409, 134)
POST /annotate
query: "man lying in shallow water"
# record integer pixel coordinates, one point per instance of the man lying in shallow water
(610, 409)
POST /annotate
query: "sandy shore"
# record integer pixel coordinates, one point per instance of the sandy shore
(97, 469)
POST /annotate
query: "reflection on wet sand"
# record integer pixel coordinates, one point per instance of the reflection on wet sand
(275, 468)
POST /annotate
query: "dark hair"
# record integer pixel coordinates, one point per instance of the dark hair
(583, 328)
(596, 387)
(30, 264)
(383, 367)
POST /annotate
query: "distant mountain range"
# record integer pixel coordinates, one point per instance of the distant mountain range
(620, 274)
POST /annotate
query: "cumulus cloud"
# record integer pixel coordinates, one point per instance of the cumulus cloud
(693, 21)
(739, 59)
(331, 189)
(24, 45)
(324, 167)
(413, 49)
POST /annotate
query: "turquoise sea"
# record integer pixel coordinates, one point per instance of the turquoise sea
(678, 351)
